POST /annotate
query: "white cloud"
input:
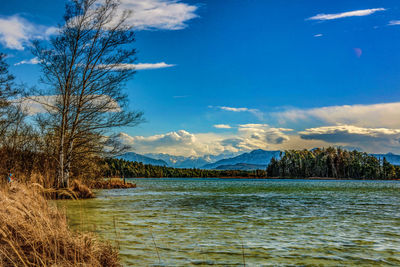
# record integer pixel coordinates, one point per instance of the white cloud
(222, 126)
(31, 61)
(318, 35)
(41, 104)
(141, 66)
(355, 13)
(384, 115)
(157, 14)
(261, 135)
(16, 32)
(183, 143)
(346, 133)
(369, 139)
(234, 109)
(253, 111)
(180, 143)
(394, 22)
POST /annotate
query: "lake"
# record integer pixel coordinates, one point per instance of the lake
(182, 222)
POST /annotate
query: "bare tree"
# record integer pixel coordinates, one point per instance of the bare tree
(85, 68)
(7, 92)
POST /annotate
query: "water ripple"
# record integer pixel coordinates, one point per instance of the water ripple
(260, 222)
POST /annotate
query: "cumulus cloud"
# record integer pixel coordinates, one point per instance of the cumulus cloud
(157, 14)
(16, 32)
(370, 139)
(31, 61)
(385, 115)
(183, 143)
(180, 143)
(355, 13)
(350, 133)
(140, 66)
(222, 126)
(262, 135)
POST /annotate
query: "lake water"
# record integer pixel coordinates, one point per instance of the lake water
(181, 222)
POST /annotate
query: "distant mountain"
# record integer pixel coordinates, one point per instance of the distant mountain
(187, 162)
(242, 167)
(257, 157)
(390, 157)
(132, 156)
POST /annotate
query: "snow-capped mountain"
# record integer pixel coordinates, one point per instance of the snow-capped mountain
(132, 156)
(256, 157)
(187, 162)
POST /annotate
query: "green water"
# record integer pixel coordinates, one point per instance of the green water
(257, 222)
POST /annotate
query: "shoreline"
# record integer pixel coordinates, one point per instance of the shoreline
(267, 178)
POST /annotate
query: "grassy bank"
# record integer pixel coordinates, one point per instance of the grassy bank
(33, 233)
(110, 183)
(81, 189)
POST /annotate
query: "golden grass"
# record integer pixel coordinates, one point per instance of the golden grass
(77, 190)
(113, 183)
(33, 233)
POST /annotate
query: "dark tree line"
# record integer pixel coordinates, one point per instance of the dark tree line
(128, 169)
(331, 162)
(321, 162)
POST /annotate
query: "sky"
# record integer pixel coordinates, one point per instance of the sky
(230, 76)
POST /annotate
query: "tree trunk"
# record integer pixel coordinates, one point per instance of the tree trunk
(60, 171)
(61, 156)
(67, 168)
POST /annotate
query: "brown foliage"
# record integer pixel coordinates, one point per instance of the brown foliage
(113, 183)
(34, 233)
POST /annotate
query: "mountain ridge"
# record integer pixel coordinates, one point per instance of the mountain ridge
(132, 156)
(256, 159)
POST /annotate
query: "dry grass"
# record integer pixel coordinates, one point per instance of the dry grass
(113, 183)
(32, 233)
(77, 190)
(81, 190)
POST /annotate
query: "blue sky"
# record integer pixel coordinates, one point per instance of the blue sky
(227, 76)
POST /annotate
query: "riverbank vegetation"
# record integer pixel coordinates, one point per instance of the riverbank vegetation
(56, 134)
(319, 163)
(35, 233)
(331, 163)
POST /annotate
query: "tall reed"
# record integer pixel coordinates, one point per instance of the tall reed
(35, 233)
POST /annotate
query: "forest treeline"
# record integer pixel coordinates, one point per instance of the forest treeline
(122, 168)
(331, 162)
(321, 162)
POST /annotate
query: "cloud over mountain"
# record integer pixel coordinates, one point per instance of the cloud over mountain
(383, 115)
(366, 138)
(248, 137)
